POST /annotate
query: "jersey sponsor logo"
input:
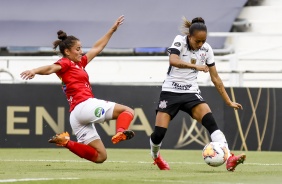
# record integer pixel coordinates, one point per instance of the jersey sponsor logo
(177, 44)
(99, 112)
(163, 104)
(176, 85)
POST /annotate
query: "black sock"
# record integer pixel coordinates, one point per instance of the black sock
(209, 123)
(158, 134)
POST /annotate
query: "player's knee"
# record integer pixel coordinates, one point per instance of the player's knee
(100, 159)
(131, 111)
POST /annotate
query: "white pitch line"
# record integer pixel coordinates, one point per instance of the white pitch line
(41, 160)
(34, 179)
(182, 181)
(128, 162)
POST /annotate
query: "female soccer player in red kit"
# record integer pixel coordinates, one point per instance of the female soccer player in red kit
(85, 110)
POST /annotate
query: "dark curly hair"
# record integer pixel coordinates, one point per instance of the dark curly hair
(64, 42)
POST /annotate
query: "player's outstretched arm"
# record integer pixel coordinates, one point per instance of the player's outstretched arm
(221, 89)
(103, 41)
(43, 70)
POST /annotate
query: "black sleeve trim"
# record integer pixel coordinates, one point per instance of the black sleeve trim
(210, 65)
(173, 51)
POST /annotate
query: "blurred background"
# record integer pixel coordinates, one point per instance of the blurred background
(244, 34)
(246, 37)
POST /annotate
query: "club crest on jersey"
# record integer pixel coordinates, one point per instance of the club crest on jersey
(177, 44)
(193, 60)
(163, 104)
(203, 57)
(99, 112)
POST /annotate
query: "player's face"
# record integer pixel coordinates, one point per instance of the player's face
(197, 40)
(75, 53)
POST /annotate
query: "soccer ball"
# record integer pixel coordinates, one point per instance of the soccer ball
(215, 154)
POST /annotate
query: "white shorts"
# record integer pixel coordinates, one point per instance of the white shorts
(85, 114)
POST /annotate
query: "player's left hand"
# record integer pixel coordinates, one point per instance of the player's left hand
(236, 105)
(118, 22)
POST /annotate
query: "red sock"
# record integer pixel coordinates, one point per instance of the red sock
(123, 121)
(82, 150)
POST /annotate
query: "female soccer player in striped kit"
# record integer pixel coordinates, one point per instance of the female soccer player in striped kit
(85, 110)
(188, 55)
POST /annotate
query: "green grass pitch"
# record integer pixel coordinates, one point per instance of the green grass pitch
(124, 166)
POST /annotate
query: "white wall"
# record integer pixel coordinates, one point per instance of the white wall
(101, 69)
(149, 70)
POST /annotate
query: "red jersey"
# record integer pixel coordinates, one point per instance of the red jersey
(75, 81)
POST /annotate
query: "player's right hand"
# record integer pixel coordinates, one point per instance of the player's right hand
(28, 74)
(118, 22)
(203, 68)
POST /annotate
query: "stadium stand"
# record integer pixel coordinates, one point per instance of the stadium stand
(246, 46)
(257, 59)
(30, 28)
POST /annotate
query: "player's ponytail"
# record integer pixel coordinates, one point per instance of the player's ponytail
(185, 26)
(197, 24)
(62, 35)
(64, 42)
